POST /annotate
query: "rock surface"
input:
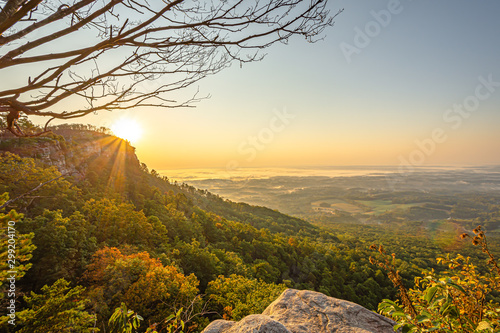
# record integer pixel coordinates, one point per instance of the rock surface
(71, 152)
(249, 324)
(304, 311)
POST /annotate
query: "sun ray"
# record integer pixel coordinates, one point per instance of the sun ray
(116, 178)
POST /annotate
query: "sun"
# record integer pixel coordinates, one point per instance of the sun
(127, 129)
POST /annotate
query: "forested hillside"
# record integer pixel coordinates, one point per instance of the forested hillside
(109, 233)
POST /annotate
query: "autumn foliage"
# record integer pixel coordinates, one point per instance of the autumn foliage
(143, 283)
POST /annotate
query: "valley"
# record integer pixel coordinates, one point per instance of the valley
(424, 194)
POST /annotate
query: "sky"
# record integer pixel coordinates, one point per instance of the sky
(404, 83)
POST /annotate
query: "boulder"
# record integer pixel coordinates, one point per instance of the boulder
(249, 324)
(304, 311)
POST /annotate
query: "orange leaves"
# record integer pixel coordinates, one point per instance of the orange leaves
(142, 282)
(109, 264)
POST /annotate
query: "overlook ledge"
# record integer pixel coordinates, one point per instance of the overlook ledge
(304, 311)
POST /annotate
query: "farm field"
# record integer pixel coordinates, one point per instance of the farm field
(377, 207)
(371, 207)
(335, 204)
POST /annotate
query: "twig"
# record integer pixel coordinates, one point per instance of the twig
(8, 202)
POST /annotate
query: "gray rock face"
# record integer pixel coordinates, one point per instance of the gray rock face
(304, 311)
(71, 155)
(249, 324)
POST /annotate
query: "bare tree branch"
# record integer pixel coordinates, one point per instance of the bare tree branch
(121, 54)
(8, 202)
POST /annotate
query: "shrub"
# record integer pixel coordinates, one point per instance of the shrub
(455, 300)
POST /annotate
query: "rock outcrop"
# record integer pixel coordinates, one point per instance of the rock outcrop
(304, 311)
(66, 159)
(70, 151)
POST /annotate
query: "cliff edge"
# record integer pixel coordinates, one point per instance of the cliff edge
(304, 311)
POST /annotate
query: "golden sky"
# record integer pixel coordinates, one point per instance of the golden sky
(421, 87)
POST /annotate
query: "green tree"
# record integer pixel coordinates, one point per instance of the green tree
(238, 296)
(58, 308)
(64, 247)
(15, 252)
(199, 260)
(19, 176)
(16, 248)
(119, 223)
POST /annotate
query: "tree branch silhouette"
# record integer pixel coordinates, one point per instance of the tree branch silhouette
(70, 60)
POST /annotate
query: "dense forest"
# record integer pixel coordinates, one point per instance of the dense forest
(95, 230)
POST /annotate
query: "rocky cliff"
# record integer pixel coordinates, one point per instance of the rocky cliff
(307, 312)
(68, 150)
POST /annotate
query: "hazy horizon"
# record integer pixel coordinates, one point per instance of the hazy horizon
(197, 174)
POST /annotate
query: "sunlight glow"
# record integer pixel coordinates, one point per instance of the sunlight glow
(127, 129)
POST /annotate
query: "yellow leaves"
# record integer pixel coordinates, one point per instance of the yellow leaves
(142, 282)
(15, 248)
(453, 299)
